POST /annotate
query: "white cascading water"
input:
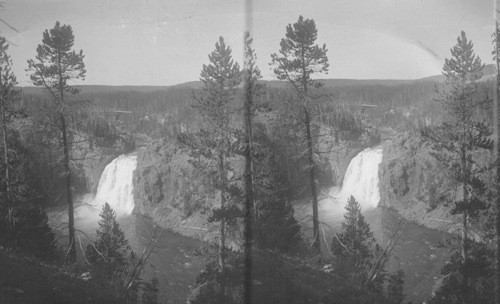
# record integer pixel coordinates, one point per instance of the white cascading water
(116, 185)
(361, 179)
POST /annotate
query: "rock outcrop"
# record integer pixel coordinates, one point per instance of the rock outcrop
(412, 183)
(90, 153)
(166, 191)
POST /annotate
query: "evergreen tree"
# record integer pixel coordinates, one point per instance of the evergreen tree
(8, 95)
(459, 140)
(496, 131)
(56, 66)
(355, 248)
(481, 276)
(107, 253)
(23, 223)
(150, 292)
(29, 232)
(252, 90)
(395, 284)
(275, 225)
(216, 287)
(213, 146)
(298, 59)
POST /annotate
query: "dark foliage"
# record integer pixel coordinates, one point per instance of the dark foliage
(23, 223)
(25, 228)
(277, 279)
(353, 295)
(480, 270)
(395, 284)
(47, 284)
(150, 292)
(214, 286)
(114, 264)
(108, 253)
(355, 249)
(276, 227)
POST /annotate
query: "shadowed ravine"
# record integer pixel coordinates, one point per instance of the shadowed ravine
(176, 266)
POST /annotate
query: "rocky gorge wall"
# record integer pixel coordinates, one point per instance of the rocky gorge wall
(415, 185)
(89, 156)
(411, 183)
(165, 192)
(166, 188)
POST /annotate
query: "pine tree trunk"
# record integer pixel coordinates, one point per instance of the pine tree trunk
(312, 175)
(496, 122)
(465, 257)
(6, 153)
(6, 158)
(222, 239)
(67, 169)
(312, 172)
(465, 229)
(67, 173)
(249, 196)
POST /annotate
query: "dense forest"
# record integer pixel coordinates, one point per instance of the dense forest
(53, 135)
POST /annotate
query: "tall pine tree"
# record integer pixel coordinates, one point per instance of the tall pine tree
(299, 58)
(459, 140)
(55, 69)
(8, 95)
(252, 89)
(213, 146)
(496, 131)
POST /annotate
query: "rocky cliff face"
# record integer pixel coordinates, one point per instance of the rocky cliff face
(166, 190)
(412, 183)
(89, 153)
(334, 150)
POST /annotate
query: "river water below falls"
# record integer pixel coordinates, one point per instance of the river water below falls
(173, 261)
(176, 266)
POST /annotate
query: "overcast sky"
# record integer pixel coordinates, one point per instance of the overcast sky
(164, 42)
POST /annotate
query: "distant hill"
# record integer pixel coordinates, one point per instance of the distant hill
(489, 72)
(103, 88)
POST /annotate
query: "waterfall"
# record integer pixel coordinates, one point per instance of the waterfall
(116, 185)
(361, 179)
